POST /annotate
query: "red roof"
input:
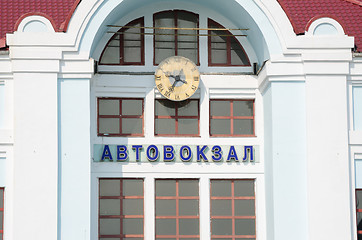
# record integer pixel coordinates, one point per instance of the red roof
(347, 12)
(58, 12)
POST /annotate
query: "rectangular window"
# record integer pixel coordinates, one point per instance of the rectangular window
(1, 213)
(120, 117)
(232, 209)
(177, 209)
(232, 118)
(121, 209)
(359, 213)
(177, 118)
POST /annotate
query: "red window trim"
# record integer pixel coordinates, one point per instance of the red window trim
(228, 64)
(121, 216)
(120, 116)
(2, 210)
(175, 12)
(232, 118)
(121, 43)
(177, 216)
(176, 117)
(232, 217)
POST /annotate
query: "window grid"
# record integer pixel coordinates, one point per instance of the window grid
(358, 210)
(175, 13)
(232, 217)
(177, 117)
(232, 118)
(121, 216)
(2, 213)
(213, 24)
(120, 117)
(121, 40)
(177, 217)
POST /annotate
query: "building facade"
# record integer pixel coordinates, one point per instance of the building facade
(150, 119)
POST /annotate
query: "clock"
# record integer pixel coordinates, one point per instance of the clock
(177, 78)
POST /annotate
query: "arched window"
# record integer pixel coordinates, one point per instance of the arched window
(225, 49)
(126, 47)
(176, 40)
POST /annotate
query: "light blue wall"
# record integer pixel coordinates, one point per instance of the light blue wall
(2, 106)
(358, 172)
(2, 172)
(357, 108)
(285, 161)
(74, 163)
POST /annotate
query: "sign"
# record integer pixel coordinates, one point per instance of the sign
(175, 153)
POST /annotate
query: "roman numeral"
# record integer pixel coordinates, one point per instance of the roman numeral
(193, 87)
(196, 79)
(158, 77)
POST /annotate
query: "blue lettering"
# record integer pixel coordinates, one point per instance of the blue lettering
(152, 153)
(248, 153)
(187, 150)
(217, 153)
(122, 153)
(106, 153)
(168, 153)
(232, 155)
(137, 149)
(200, 154)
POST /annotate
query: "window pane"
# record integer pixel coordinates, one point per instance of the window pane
(220, 108)
(244, 188)
(238, 57)
(132, 126)
(165, 188)
(187, 45)
(132, 226)
(188, 126)
(132, 206)
(220, 188)
(220, 126)
(245, 226)
(243, 108)
(1, 220)
(109, 207)
(221, 226)
(243, 126)
(244, 208)
(132, 107)
(221, 208)
(165, 108)
(132, 187)
(111, 53)
(189, 207)
(109, 226)
(359, 220)
(218, 48)
(358, 199)
(109, 125)
(132, 44)
(165, 126)
(164, 44)
(165, 207)
(165, 226)
(189, 108)
(109, 187)
(189, 226)
(108, 107)
(188, 188)
(1, 198)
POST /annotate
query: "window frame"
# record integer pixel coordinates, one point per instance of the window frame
(177, 217)
(228, 43)
(176, 117)
(232, 217)
(2, 210)
(175, 13)
(120, 117)
(121, 45)
(232, 118)
(121, 216)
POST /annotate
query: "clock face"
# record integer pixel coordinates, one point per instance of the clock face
(177, 78)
